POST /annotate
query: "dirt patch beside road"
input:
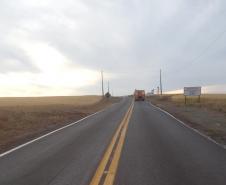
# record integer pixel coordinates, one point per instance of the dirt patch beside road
(209, 116)
(23, 119)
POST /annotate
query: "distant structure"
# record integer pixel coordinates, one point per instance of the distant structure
(150, 93)
(108, 95)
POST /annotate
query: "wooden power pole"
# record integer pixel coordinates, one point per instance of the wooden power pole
(160, 81)
(108, 87)
(102, 82)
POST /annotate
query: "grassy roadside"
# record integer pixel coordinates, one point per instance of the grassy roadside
(22, 119)
(208, 116)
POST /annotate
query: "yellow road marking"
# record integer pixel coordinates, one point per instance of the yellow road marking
(109, 180)
(100, 170)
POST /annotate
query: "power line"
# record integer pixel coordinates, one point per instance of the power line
(192, 61)
(208, 47)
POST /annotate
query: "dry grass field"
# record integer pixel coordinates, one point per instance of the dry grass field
(55, 100)
(208, 116)
(22, 119)
(211, 101)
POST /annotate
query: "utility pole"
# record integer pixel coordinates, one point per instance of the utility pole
(160, 81)
(102, 82)
(108, 87)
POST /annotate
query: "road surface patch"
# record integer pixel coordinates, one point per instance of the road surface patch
(112, 155)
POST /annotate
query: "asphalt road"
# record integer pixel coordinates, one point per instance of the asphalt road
(157, 150)
(161, 151)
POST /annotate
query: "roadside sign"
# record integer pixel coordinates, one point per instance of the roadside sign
(192, 91)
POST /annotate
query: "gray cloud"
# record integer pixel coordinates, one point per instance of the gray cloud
(131, 39)
(14, 60)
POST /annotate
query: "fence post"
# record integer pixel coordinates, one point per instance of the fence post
(199, 100)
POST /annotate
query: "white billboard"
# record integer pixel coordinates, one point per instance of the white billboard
(192, 91)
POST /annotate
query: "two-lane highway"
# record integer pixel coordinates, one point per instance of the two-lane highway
(126, 144)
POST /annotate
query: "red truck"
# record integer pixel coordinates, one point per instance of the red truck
(139, 95)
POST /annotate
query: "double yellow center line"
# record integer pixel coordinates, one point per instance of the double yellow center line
(106, 171)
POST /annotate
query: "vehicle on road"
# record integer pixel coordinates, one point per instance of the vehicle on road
(139, 95)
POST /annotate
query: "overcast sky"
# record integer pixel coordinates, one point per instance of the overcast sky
(53, 47)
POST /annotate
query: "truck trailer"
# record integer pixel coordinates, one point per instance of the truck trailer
(139, 95)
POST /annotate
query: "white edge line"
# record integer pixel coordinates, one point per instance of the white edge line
(187, 126)
(50, 133)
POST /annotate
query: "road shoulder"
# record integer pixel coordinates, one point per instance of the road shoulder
(209, 123)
